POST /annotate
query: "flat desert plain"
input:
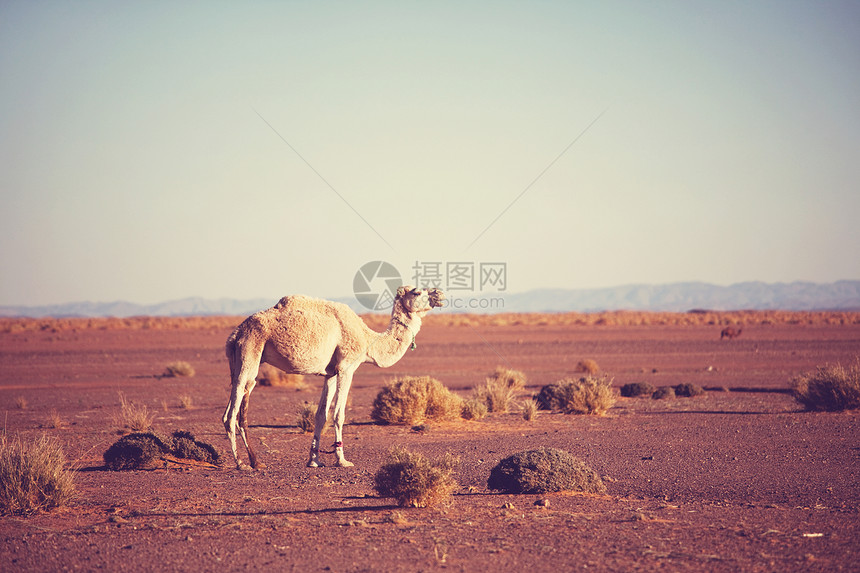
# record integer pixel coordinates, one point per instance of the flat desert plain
(740, 479)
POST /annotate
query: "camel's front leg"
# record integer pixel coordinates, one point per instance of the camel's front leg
(344, 381)
(326, 397)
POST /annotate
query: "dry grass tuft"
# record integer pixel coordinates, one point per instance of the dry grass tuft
(829, 388)
(271, 376)
(186, 402)
(500, 389)
(588, 366)
(306, 417)
(414, 480)
(544, 470)
(474, 409)
(54, 419)
(21, 403)
(587, 395)
(179, 368)
(33, 476)
(413, 400)
(133, 417)
(530, 410)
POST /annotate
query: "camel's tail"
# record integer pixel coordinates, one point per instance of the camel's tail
(231, 349)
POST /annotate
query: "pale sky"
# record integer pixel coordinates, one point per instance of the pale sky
(150, 151)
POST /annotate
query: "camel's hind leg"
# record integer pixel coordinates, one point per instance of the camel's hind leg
(344, 382)
(243, 427)
(244, 365)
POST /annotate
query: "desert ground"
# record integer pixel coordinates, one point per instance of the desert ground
(740, 479)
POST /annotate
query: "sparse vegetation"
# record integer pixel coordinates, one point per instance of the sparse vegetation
(413, 400)
(829, 388)
(186, 402)
(33, 475)
(587, 395)
(500, 389)
(637, 389)
(306, 417)
(664, 393)
(146, 450)
(588, 366)
(688, 390)
(474, 409)
(54, 419)
(530, 410)
(21, 403)
(133, 417)
(544, 470)
(179, 368)
(414, 480)
(271, 376)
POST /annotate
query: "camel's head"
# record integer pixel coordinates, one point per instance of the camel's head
(417, 300)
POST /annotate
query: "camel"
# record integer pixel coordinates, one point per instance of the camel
(303, 335)
(730, 332)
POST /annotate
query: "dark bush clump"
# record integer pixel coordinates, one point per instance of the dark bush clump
(146, 450)
(688, 390)
(544, 470)
(636, 389)
(664, 393)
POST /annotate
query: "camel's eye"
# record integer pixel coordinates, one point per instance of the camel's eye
(416, 291)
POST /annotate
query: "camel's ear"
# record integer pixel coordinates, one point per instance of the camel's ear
(402, 291)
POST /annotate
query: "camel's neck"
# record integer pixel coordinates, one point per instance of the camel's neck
(388, 347)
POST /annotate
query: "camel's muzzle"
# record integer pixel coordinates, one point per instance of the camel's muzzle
(436, 297)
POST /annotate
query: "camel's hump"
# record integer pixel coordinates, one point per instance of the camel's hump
(303, 302)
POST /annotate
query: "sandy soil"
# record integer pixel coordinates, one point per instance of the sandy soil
(738, 480)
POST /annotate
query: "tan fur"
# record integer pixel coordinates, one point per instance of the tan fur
(303, 335)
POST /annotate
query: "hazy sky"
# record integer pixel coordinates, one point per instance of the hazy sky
(152, 151)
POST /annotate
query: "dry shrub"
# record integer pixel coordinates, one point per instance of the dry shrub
(21, 403)
(636, 389)
(530, 410)
(500, 389)
(54, 419)
(33, 476)
(829, 388)
(186, 402)
(179, 368)
(146, 450)
(414, 480)
(544, 470)
(413, 400)
(688, 390)
(588, 366)
(587, 395)
(474, 409)
(133, 417)
(664, 393)
(306, 417)
(271, 376)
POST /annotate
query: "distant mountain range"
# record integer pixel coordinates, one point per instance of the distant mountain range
(676, 297)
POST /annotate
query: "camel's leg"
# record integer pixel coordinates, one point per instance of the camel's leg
(243, 426)
(244, 366)
(344, 381)
(326, 397)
